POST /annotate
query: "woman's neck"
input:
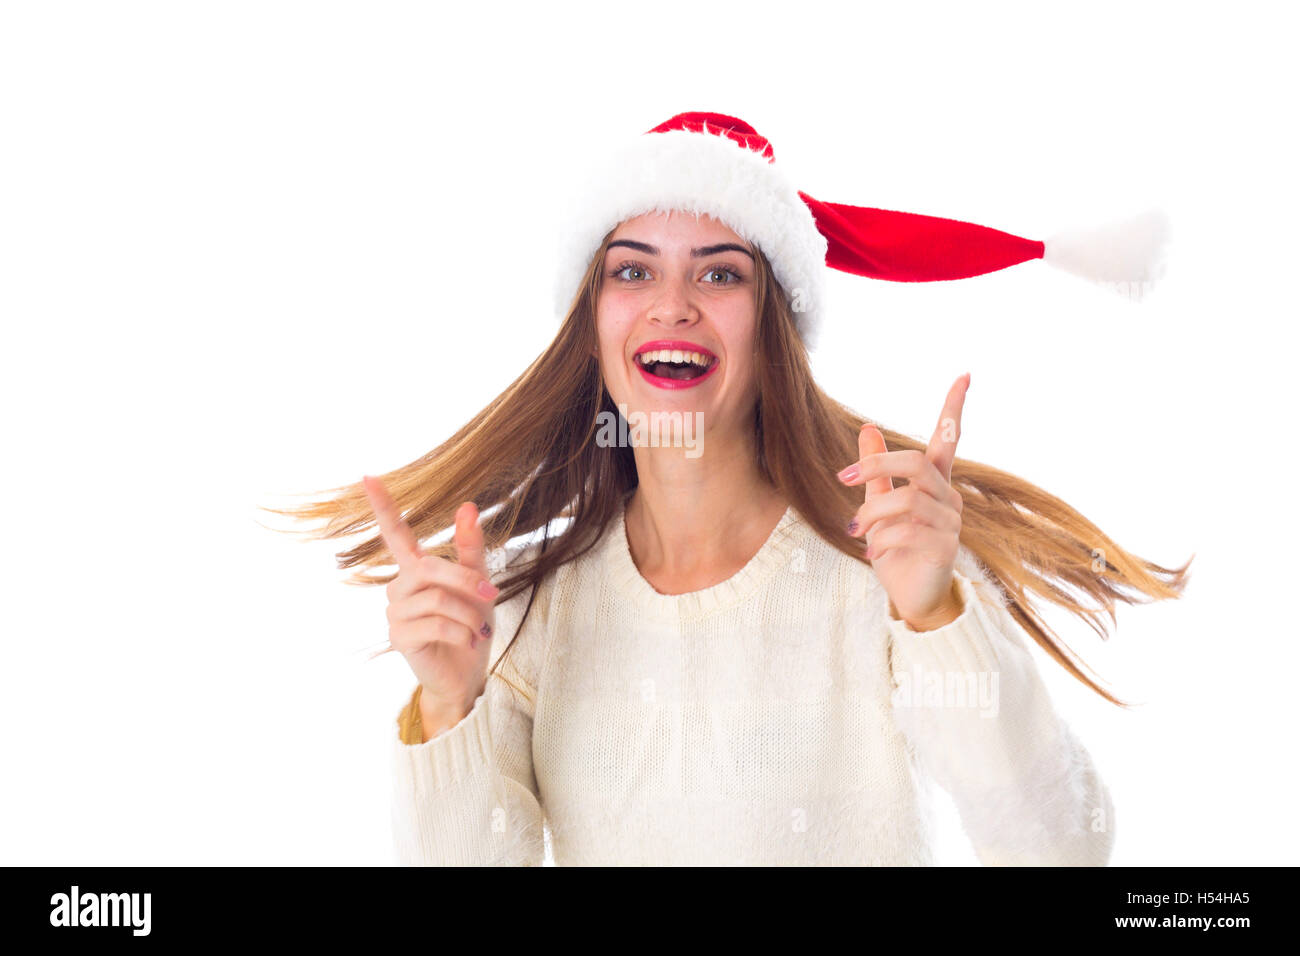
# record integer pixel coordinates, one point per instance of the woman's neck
(693, 523)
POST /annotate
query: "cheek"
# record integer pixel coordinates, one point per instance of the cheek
(613, 326)
(611, 342)
(739, 329)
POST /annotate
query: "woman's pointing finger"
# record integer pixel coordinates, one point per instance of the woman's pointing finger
(397, 534)
(943, 443)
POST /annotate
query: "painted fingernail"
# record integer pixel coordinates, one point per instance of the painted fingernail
(488, 590)
(853, 526)
(485, 631)
(849, 473)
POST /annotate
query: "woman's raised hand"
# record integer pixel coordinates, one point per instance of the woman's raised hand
(440, 613)
(913, 531)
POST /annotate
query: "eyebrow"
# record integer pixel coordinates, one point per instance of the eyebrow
(699, 253)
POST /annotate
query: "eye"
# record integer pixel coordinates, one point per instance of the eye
(734, 276)
(623, 267)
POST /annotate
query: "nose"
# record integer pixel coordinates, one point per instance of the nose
(673, 307)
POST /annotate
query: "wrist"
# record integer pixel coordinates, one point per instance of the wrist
(944, 614)
(439, 715)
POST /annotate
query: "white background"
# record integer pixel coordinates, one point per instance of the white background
(251, 250)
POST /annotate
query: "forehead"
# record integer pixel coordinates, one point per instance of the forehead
(664, 228)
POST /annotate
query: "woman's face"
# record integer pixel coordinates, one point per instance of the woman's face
(672, 283)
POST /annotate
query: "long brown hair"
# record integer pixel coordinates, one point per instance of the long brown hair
(530, 457)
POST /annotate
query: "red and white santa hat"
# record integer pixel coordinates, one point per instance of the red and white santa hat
(718, 165)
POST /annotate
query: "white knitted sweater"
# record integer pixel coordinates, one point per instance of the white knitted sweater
(780, 717)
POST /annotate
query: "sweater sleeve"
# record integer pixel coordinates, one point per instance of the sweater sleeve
(970, 702)
(468, 796)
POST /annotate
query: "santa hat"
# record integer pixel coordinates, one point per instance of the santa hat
(718, 165)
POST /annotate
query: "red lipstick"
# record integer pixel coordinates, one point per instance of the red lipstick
(675, 345)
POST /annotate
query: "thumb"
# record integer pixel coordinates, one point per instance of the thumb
(469, 540)
(872, 442)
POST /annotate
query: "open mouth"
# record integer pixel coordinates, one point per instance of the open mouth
(675, 367)
(667, 363)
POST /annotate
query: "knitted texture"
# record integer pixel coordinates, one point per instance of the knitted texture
(780, 717)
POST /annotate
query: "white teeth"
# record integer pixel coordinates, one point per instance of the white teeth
(676, 356)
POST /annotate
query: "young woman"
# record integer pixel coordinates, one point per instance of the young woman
(764, 628)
